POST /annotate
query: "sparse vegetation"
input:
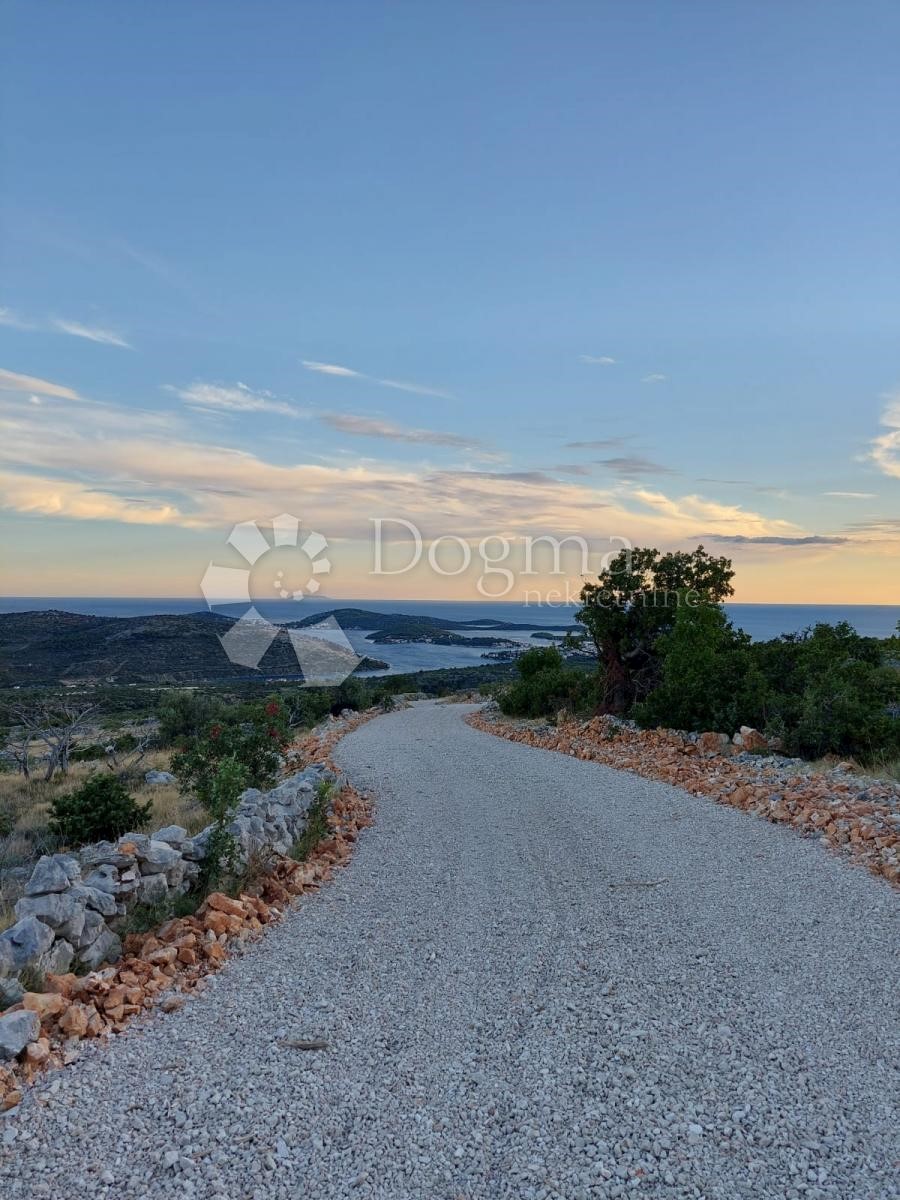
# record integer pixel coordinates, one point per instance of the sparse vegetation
(316, 823)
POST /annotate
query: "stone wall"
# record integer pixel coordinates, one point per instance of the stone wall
(74, 903)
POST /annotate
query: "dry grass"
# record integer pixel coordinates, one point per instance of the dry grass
(28, 807)
(881, 768)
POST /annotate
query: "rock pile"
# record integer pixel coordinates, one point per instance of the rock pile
(44, 1029)
(855, 814)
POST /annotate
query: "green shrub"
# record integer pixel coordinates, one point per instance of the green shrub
(220, 859)
(824, 691)
(545, 685)
(100, 810)
(185, 715)
(350, 694)
(709, 679)
(830, 691)
(253, 735)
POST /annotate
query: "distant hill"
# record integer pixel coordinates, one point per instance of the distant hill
(53, 647)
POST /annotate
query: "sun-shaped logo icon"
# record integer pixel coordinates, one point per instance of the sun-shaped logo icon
(323, 650)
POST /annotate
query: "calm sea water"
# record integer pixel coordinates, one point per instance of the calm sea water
(761, 621)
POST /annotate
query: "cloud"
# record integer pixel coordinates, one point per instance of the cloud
(332, 369)
(852, 495)
(69, 498)
(629, 465)
(105, 337)
(654, 378)
(213, 397)
(885, 449)
(348, 373)
(572, 469)
(12, 321)
(811, 540)
(707, 479)
(602, 361)
(374, 428)
(598, 444)
(11, 382)
(95, 462)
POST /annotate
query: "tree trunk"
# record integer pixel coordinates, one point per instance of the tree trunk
(617, 679)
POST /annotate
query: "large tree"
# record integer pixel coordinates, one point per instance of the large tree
(634, 601)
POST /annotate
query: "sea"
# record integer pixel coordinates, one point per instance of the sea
(761, 621)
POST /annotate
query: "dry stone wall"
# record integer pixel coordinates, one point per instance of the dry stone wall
(74, 903)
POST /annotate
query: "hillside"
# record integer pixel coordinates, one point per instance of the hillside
(54, 646)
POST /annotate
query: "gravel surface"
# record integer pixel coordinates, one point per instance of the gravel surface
(539, 978)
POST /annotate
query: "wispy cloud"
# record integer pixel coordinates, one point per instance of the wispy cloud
(852, 495)
(736, 482)
(348, 373)
(885, 449)
(627, 466)
(654, 378)
(597, 444)
(374, 428)
(12, 321)
(809, 540)
(572, 469)
(214, 397)
(332, 369)
(92, 333)
(11, 382)
(602, 360)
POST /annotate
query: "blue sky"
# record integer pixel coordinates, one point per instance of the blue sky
(481, 203)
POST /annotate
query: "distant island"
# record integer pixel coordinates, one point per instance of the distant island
(387, 628)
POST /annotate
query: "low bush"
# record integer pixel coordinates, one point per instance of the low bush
(101, 809)
(253, 735)
(185, 715)
(220, 859)
(827, 690)
(546, 685)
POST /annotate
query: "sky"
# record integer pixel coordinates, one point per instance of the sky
(624, 272)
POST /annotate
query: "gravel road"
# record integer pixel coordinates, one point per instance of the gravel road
(539, 978)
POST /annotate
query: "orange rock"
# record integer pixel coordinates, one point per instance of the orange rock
(216, 922)
(46, 1004)
(37, 1053)
(187, 956)
(61, 984)
(10, 1100)
(74, 1021)
(214, 952)
(96, 1025)
(162, 956)
(222, 903)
